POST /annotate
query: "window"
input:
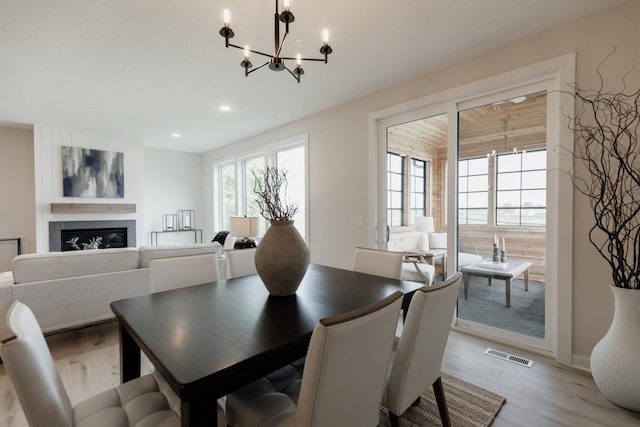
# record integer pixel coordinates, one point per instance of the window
(418, 189)
(227, 190)
(293, 161)
(236, 182)
(521, 188)
(406, 190)
(473, 191)
(395, 189)
(251, 166)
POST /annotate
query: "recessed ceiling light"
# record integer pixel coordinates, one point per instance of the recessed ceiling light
(224, 107)
(175, 135)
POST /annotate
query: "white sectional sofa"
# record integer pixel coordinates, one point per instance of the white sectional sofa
(71, 289)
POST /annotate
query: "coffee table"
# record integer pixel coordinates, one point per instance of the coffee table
(483, 268)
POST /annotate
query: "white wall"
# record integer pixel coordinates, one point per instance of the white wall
(47, 142)
(17, 206)
(172, 181)
(341, 170)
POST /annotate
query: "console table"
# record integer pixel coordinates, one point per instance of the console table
(17, 239)
(197, 235)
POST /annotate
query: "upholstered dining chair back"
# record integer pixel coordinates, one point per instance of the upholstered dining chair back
(141, 402)
(241, 262)
(182, 271)
(418, 359)
(377, 262)
(343, 378)
(32, 370)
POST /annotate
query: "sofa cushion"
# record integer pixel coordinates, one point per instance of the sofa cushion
(147, 253)
(57, 265)
(407, 241)
(438, 240)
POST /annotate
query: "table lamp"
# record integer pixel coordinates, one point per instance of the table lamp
(426, 225)
(244, 228)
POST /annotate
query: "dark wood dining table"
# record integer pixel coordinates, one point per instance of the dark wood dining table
(209, 340)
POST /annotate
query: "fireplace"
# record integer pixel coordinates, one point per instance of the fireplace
(114, 234)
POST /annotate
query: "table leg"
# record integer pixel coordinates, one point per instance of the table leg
(526, 279)
(444, 267)
(508, 291)
(466, 285)
(199, 412)
(129, 357)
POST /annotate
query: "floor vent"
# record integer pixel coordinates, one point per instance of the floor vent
(509, 357)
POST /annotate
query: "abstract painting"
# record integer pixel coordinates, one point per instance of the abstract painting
(92, 173)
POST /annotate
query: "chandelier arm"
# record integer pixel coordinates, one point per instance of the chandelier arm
(281, 45)
(257, 68)
(297, 77)
(290, 58)
(251, 50)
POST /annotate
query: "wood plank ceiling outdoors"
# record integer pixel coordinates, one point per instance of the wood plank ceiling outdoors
(498, 126)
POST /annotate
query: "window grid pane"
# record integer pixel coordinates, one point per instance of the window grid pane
(395, 193)
(228, 194)
(473, 194)
(521, 189)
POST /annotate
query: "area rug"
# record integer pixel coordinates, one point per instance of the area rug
(486, 305)
(468, 405)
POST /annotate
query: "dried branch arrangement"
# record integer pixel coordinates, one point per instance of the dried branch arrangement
(605, 126)
(271, 189)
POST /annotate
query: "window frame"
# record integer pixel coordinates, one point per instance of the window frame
(269, 153)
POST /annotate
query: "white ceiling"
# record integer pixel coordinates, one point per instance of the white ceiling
(146, 68)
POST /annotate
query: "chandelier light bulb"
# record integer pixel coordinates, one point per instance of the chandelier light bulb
(246, 52)
(226, 16)
(299, 60)
(285, 5)
(325, 36)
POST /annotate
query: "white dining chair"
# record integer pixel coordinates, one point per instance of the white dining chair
(378, 262)
(343, 378)
(178, 272)
(241, 262)
(418, 358)
(145, 401)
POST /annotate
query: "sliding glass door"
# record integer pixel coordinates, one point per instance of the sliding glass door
(502, 193)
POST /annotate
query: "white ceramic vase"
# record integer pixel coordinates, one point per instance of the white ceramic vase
(282, 258)
(615, 360)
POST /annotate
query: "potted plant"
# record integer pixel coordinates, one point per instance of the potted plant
(605, 127)
(282, 257)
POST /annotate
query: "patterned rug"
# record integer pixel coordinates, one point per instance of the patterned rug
(468, 405)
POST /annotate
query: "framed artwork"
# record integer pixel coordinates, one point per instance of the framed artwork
(92, 173)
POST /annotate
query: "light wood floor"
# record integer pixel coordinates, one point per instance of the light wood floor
(545, 395)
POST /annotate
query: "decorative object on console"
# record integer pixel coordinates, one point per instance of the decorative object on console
(282, 257)
(244, 228)
(276, 62)
(92, 173)
(186, 220)
(496, 250)
(169, 222)
(606, 128)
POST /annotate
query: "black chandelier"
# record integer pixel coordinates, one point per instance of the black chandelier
(275, 62)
